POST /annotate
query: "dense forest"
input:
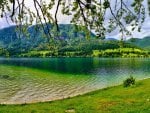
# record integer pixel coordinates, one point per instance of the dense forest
(143, 43)
(69, 41)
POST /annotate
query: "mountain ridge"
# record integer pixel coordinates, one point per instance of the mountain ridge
(69, 40)
(143, 43)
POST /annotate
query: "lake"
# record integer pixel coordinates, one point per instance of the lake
(29, 80)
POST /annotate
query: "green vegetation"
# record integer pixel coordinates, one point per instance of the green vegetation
(135, 99)
(19, 44)
(90, 14)
(121, 52)
(143, 43)
(129, 82)
(69, 42)
(87, 48)
(36, 54)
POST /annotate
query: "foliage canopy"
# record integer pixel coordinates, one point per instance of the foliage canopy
(102, 16)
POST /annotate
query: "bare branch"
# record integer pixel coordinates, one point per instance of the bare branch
(13, 12)
(57, 8)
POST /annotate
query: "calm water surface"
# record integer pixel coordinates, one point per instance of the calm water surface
(27, 80)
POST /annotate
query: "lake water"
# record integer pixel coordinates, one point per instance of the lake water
(27, 80)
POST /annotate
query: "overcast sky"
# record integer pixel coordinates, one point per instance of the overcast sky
(145, 31)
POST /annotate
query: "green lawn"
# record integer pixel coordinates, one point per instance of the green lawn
(135, 99)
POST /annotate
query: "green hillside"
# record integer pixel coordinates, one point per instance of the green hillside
(35, 38)
(143, 43)
(69, 41)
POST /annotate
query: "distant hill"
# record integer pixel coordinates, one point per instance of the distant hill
(15, 42)
(8, 35)
(143, 43)
(113, 39)
(66, 31)
(67, 42)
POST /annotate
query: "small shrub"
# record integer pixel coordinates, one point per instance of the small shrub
(129, 81)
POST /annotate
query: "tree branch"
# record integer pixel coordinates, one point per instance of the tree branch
(57, 8)
(13, 12)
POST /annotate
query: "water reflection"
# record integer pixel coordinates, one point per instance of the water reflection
(80, 65)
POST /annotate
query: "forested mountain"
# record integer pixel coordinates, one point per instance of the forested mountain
(66, 31)
(8, 35)
(35, 39)
(143, 43)
(67, 42)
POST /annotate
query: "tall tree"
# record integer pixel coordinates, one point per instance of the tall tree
(102, 16)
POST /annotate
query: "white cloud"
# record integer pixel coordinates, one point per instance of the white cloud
(5, 23)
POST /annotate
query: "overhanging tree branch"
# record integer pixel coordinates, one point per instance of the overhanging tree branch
(88, 13)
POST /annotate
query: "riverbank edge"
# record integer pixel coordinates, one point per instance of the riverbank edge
(115, 99)
(79, 95)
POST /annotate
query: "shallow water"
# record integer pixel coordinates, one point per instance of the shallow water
(27, 80)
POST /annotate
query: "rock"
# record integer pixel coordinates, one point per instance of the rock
(4, 76)
(70, 111)
(7, 77)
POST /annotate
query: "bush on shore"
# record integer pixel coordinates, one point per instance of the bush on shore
(129, 81)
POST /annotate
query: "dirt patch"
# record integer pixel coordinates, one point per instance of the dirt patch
(105, 105)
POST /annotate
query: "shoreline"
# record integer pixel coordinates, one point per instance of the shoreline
(69, 97)
(116, 99)
(70, 57)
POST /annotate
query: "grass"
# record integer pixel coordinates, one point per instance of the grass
(35, 54)
(117, 99)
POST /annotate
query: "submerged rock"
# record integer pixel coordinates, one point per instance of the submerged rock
(7, 77)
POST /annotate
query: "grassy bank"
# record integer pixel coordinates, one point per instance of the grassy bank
(135, 99)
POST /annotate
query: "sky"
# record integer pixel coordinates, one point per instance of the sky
(145, 31)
